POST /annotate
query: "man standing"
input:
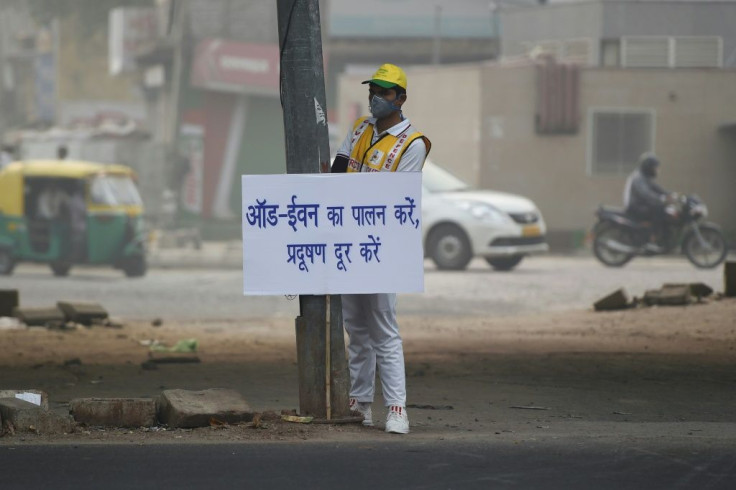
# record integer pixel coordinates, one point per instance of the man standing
(386, 142)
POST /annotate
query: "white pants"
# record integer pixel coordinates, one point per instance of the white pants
(370, 320)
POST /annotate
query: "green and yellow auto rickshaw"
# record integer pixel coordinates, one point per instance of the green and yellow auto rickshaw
(64, 213)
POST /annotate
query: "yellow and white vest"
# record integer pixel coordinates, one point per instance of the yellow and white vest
(383, 155)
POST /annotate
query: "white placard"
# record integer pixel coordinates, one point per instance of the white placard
(332, 233)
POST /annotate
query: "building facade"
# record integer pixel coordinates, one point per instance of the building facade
(624, 33)
(489, 134)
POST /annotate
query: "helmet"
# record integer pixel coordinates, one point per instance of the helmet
(648, 164)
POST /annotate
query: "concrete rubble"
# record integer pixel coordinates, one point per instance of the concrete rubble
(22, 416)
(66, 315)
(8, 301)
(617, 300)
(84, 313)
(184, 408)
(114, 412)
(174, 408)
(667, 295)
(39, 316)
(729, 279)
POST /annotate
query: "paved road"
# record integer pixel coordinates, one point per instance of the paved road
(539, 284)
(365, 465)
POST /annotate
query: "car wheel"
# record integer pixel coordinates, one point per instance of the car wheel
(60, 269)
(449, 247)
(7, 262)
(504, 263)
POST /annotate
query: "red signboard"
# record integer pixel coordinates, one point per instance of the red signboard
(236, 67)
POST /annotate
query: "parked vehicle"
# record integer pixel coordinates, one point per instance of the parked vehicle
(70, 212)
(460, 223)
(618, 238)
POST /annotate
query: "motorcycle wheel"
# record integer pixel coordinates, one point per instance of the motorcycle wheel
(709, 253)
(605, 233)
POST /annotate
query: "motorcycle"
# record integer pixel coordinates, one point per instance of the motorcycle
(618, 237)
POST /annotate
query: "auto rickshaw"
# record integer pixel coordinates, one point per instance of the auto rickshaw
(64, 213)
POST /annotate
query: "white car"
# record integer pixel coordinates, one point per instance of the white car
(460, 223)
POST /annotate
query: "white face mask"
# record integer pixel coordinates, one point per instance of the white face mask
(381, 108)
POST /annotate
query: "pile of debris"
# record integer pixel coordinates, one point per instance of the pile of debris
(671, 294)
(667, 295)
(65, 315)
(27, 411)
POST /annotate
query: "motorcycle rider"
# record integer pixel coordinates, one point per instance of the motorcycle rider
(645, 200)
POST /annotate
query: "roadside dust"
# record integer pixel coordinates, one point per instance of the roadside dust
(632, 373)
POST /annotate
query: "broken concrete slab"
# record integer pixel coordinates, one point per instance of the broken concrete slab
(108, 322)
(28, 395)
(617, 300)
(84, 313)
(700, 290)
(697, 289)
(24, 416)
(651, 297)
(38, 316)
(669, 295)
(114, 412)
(729, 279)
(186, 409)
(8, 301)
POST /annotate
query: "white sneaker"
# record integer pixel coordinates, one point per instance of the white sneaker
(364, 409)
(397, 420)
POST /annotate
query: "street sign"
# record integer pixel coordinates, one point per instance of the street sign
(332, 233)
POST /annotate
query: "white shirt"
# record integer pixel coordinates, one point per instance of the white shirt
(411, 161)
(5, 159)
(51, 201)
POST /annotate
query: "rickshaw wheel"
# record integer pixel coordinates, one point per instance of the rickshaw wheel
(7, 263)
(135, 266)
(60, 269)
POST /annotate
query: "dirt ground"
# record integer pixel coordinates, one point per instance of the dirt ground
(642, 374)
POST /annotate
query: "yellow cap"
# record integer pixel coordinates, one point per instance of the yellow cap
(388, 76)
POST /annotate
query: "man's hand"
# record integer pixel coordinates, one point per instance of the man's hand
(340, 165)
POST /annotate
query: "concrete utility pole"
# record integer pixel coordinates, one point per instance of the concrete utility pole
(177, 33)
(323, 376)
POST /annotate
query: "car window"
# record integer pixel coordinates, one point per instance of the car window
(437, 179)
